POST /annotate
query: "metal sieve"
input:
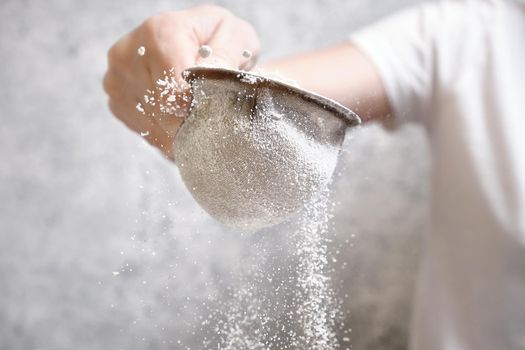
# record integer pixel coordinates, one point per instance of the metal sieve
(254, 150)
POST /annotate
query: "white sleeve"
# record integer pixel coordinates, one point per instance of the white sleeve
(402, 47)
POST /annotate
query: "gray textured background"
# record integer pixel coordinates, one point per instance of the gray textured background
(81, 196)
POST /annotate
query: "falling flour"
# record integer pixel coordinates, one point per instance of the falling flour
(318, 308)
(252, 167)
(301, 311)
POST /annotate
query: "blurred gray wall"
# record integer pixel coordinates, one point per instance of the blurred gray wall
(82, 197)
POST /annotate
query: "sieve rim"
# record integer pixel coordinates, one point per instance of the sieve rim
(198, 72)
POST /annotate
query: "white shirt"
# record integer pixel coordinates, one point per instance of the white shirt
(459, 68)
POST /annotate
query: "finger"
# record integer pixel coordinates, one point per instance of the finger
(112, 84)
(172, 51)
(230, 49)
(250, 61)
(127, 67)
(150, 102)
(168, 123)
(174, 45)
(141, 80)
(123, 90)
(126, 75)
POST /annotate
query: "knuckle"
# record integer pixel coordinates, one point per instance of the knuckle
(112, 106)
(107, 85)
(113, 55)
(110, 86)
(117, 108)
(117, 60)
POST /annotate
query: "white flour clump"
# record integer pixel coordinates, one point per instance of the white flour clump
(205, 51)
(141, 51)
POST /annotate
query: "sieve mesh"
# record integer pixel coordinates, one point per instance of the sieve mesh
(251, 155)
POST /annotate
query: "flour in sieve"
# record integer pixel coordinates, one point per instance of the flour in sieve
(250, 167)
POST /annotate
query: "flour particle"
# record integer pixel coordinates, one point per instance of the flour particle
(205, 51)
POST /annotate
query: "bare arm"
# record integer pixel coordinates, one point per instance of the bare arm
(341, 73)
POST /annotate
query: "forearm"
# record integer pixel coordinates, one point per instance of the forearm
(340, 72)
